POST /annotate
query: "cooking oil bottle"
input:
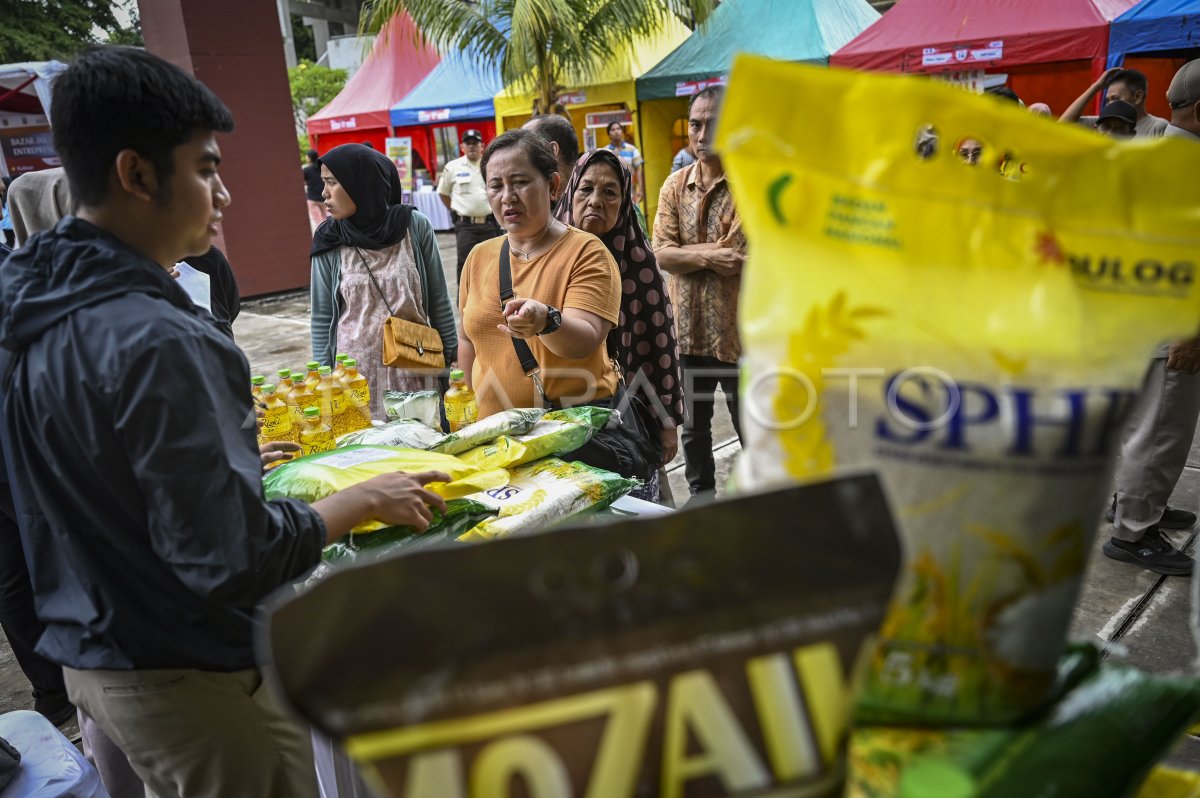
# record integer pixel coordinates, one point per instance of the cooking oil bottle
(358, 392)
(339, 367)
(256, 384)
(315, 434)
(333, 404)
(277, 418)
(314, 374)
(301, 398)
(284, 386)
(461, 407)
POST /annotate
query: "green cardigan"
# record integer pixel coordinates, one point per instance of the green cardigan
(327, 303)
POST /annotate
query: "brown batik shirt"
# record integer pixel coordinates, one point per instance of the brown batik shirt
(691, 211)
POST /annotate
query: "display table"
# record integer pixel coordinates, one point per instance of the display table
(430, 204)
(50, 765)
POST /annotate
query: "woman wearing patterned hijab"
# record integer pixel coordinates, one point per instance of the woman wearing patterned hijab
(599, 200)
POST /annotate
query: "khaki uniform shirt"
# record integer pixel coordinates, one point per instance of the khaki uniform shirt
(462, 182)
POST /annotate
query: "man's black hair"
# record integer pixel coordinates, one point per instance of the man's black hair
(558, 129)
(714, 93)
(536, 146)
(614, 122)
(1133, 78)
(313, 156)
(122, 98)
(1004, 93)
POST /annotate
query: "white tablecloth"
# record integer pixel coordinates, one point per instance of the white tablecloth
(430, 204)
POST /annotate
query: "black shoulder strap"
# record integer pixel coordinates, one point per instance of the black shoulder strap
(529, 363)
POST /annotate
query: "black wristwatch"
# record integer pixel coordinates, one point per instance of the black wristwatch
(553, 320)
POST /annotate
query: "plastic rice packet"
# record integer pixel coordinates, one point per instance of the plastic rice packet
(408, 433)
(661, 657)
(425, 406)
(546, 492)
(976, 331)
(314, 477)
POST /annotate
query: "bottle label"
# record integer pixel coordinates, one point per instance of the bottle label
(277, 421)
(360, 397)
(321, 444)
(332, 406)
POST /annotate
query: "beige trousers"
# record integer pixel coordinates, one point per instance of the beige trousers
(199, 734)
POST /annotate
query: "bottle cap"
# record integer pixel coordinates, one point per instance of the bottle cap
(351, 362)
(312, 412)
(268, 388)
(312, 365)
(284, 374)
(324, 370)
(257, 379)
(456, 374)
(343, 356)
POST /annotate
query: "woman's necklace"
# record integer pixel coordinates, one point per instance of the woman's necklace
(527, 254)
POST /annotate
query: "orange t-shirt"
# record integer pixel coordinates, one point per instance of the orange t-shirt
(577, 272)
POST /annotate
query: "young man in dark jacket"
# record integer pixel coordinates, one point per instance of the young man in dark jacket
(133, 444)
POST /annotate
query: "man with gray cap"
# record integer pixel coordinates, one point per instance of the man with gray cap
(1164, 420)
(1184, 96)
(463, 192)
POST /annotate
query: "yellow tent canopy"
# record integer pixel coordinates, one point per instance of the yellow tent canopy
(613, 89)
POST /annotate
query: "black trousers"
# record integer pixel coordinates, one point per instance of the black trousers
(17, 614)
(467, 235)
(701, 376)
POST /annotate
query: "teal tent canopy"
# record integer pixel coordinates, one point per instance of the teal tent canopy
(789, 30)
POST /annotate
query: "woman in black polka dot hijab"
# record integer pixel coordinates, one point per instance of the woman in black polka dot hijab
(599, 200)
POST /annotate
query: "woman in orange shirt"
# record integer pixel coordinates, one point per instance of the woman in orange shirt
(566, 296)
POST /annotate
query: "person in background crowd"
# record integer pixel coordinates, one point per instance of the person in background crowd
(121, 472)
(1127, 85)
(39, 200)
(969, 151)
(374, 258)
(564, 142)
(698, 240)
(313, 188)
(1184, 97)
(462, 191)
(6, 226)
(1163, 422)
(1118, 119)
(1040, 109)
(685, 157)
(599, 200)
(633, 158)
(1005, 93)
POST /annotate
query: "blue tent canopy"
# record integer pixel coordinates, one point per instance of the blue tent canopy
(458, 88)
(1153, 26)
(789, 30)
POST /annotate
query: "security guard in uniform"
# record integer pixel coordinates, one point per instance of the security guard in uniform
(464, 193)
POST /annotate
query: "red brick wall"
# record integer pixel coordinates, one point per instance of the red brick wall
(236, 48)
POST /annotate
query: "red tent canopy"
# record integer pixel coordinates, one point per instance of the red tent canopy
(957, 35)
(396, 65)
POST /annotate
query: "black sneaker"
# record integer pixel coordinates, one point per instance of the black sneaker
(55, 707)
(1172, 518)
(1153, 552)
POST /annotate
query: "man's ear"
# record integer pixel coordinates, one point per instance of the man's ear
(137, 176)
(1139, 97)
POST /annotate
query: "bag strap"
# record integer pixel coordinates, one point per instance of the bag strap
(374, 282)
(529, 363)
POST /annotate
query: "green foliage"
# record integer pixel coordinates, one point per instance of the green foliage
(131, 36)
(542, 44)
(303, 39)
(40, 30)
(313, 87)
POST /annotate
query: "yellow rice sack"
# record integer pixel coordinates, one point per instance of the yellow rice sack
(975, 332)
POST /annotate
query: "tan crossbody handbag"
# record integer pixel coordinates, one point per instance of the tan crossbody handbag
(406, 344)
